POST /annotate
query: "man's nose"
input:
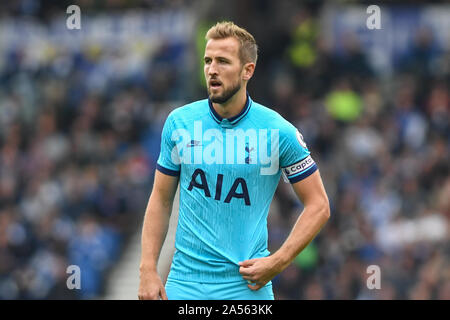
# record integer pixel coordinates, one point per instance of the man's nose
(212, 68)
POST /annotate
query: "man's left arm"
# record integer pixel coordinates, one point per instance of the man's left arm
(311, 193)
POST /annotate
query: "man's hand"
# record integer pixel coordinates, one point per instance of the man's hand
(259, 271)
(151, 287)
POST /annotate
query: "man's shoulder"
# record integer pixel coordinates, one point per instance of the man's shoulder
(269, 116)
(192, 109)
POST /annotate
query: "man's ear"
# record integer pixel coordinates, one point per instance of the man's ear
(248, 70)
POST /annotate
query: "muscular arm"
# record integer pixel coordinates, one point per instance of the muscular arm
(315, 214)
(156, 222)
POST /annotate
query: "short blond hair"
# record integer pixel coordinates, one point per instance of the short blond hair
(248, 50)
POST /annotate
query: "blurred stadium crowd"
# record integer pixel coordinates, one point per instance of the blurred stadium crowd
(80, 131)
(80, 124)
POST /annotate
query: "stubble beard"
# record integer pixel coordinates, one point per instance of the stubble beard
(226, 95)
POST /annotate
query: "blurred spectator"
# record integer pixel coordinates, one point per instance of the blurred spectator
(343, 103)
(420, 57)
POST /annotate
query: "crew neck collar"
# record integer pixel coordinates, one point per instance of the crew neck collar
(233, 120)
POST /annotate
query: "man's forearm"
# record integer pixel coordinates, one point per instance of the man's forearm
(154, 231)
(305, 229)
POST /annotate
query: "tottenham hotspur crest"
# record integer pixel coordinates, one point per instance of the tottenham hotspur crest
(301, 140)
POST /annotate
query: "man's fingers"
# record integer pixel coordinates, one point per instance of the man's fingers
(255, 286)
(142, 296)
(247, 263)
(146, 297)
(153, 295)
(245, 271)
(151, 287)
(163, 294)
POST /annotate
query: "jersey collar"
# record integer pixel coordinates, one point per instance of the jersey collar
(233, 120)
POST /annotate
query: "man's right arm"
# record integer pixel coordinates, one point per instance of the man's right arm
(156, 223)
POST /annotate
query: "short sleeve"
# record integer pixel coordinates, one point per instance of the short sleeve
(168, 156)
(295, 159)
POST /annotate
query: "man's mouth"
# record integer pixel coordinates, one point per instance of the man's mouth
(214, 84)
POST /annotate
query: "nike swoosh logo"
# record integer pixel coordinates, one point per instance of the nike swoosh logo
(193, 143)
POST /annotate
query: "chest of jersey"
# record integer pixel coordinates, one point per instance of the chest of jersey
(225, 163)
(234, 151)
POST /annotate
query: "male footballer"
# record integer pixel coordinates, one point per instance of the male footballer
(227, 153)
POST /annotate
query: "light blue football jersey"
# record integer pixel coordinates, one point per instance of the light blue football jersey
(229, 170)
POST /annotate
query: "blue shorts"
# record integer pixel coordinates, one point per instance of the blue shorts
(185, 290)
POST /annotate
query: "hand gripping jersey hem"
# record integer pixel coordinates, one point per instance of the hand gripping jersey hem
(169, 172)
(304, 174)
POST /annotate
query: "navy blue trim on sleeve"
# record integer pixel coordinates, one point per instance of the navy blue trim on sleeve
(304, 175)
(167, 171)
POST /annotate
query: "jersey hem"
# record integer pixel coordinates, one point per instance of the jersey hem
(237, 279)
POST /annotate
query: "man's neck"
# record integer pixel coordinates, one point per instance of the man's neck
(233, 106)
